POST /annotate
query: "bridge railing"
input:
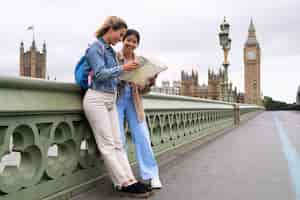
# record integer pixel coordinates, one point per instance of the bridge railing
(47, 150)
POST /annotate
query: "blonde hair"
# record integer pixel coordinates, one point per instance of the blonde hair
(111, 22)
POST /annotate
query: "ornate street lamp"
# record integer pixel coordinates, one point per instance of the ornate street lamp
(225, 42)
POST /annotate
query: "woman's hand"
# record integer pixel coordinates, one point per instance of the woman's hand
(131, 65)
(152, 80)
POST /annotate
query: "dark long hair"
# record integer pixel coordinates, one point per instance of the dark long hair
(130, 32)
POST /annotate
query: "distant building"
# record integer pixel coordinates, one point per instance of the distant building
(33, 62)
(215, 81)
(167, 88)
(203, 91)
(214, 90)
(252, 54)
(189, 84)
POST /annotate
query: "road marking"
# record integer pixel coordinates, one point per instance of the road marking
(291, 156)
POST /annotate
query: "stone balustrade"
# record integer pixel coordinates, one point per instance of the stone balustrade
(47, 150)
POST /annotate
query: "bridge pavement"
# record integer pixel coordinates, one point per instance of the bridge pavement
(250, 162)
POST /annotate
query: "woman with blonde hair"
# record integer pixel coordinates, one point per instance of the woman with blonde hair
(99, 105)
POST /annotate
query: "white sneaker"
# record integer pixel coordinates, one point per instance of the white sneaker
(155, 183)
(117, 187)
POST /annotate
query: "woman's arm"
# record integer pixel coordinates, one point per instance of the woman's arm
(147, 87)
(95, 59)
(144, 90)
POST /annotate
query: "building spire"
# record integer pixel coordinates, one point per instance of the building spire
(22, 44)
(251, 40)
(251, 26)
(44, 46)
(33, 44)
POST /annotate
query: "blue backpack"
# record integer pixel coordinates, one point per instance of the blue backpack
(81, 73)
(83, 70)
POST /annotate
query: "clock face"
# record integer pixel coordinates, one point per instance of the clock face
(251, 55)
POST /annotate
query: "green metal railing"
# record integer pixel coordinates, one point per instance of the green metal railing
(47, 150)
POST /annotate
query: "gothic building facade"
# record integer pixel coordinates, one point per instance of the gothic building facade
(167, 88)
(189, 84)
(33, 62)
(252, 54)
(213, 90)
(214, 84)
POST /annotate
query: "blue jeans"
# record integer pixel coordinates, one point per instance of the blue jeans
(140, 135)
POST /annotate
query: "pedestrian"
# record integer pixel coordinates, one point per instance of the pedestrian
(130, 107)
(99, 105)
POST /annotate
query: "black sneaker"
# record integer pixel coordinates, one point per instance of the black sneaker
(135, 190)
(145, 185)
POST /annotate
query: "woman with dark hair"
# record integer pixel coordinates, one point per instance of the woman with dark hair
(130, 106)
(99, 105)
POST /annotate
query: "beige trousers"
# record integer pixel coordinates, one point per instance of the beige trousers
(101, 111)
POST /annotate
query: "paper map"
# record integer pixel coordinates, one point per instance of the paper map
(147, 69)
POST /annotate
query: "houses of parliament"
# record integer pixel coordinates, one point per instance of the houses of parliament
(33, 64)
(189, 85)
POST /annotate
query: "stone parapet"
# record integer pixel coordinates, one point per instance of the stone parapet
(47, 150)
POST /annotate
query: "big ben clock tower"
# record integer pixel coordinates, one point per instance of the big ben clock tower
(252, 67)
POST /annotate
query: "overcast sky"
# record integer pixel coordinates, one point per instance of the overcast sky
(182, 33)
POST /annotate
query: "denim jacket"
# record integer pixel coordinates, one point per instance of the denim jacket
(102, 59)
